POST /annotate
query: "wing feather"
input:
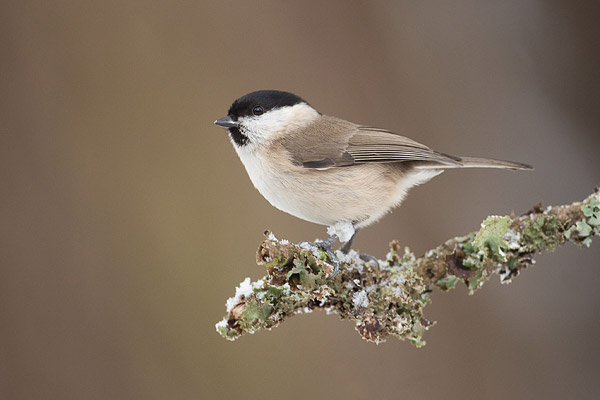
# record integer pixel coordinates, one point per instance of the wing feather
(379, 145)
(332, 142)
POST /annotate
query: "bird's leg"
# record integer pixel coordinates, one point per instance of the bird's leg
(365, 257)
(325, 245)
(346, 247)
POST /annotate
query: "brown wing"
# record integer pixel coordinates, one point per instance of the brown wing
(332, 142)
(380, 146)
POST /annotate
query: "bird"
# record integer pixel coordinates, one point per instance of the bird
(327, 170)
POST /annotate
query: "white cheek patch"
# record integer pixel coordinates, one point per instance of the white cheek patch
(274, 123)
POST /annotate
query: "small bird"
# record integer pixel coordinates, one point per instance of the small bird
(327, 170)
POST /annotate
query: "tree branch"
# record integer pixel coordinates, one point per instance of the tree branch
(389, 298)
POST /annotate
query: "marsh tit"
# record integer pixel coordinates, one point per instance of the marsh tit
(327, 170)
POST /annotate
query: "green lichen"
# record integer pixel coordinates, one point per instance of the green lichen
(584, 230)
(476, 281)
(298, 269)
(417, 335)
(308, 272)
(468, 246)
(448, 282)
(542, 233)
(256, 315)
(489, 238)
(388, 298)
(581, 229)
(222, 329)
(273, 293)
(592, 212)
(473, 260)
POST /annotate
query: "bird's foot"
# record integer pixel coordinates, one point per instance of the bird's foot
(345, 249)
(367, 257)
(363, 256)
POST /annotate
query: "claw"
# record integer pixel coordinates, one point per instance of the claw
(368, 257)
(335, 262)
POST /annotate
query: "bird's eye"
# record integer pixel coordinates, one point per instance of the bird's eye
(258, 110)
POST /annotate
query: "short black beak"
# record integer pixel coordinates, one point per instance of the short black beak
(226, 122)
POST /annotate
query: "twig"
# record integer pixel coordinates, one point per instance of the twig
(389, 298)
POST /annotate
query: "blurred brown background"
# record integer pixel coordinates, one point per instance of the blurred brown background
(127, 219)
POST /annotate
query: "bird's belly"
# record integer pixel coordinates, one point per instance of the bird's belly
(350, 194)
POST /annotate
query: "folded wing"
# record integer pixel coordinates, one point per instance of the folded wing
(333, 142)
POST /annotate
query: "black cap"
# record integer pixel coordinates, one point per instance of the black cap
(267, 99)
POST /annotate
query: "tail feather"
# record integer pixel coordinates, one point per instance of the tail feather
(476, 162)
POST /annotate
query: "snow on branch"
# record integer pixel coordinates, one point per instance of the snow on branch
(387, 297)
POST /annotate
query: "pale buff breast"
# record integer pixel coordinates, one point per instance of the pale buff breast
(360, 194)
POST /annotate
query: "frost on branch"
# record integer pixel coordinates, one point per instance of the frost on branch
(388, 297)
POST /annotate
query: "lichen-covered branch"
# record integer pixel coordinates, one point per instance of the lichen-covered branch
(387, 297)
